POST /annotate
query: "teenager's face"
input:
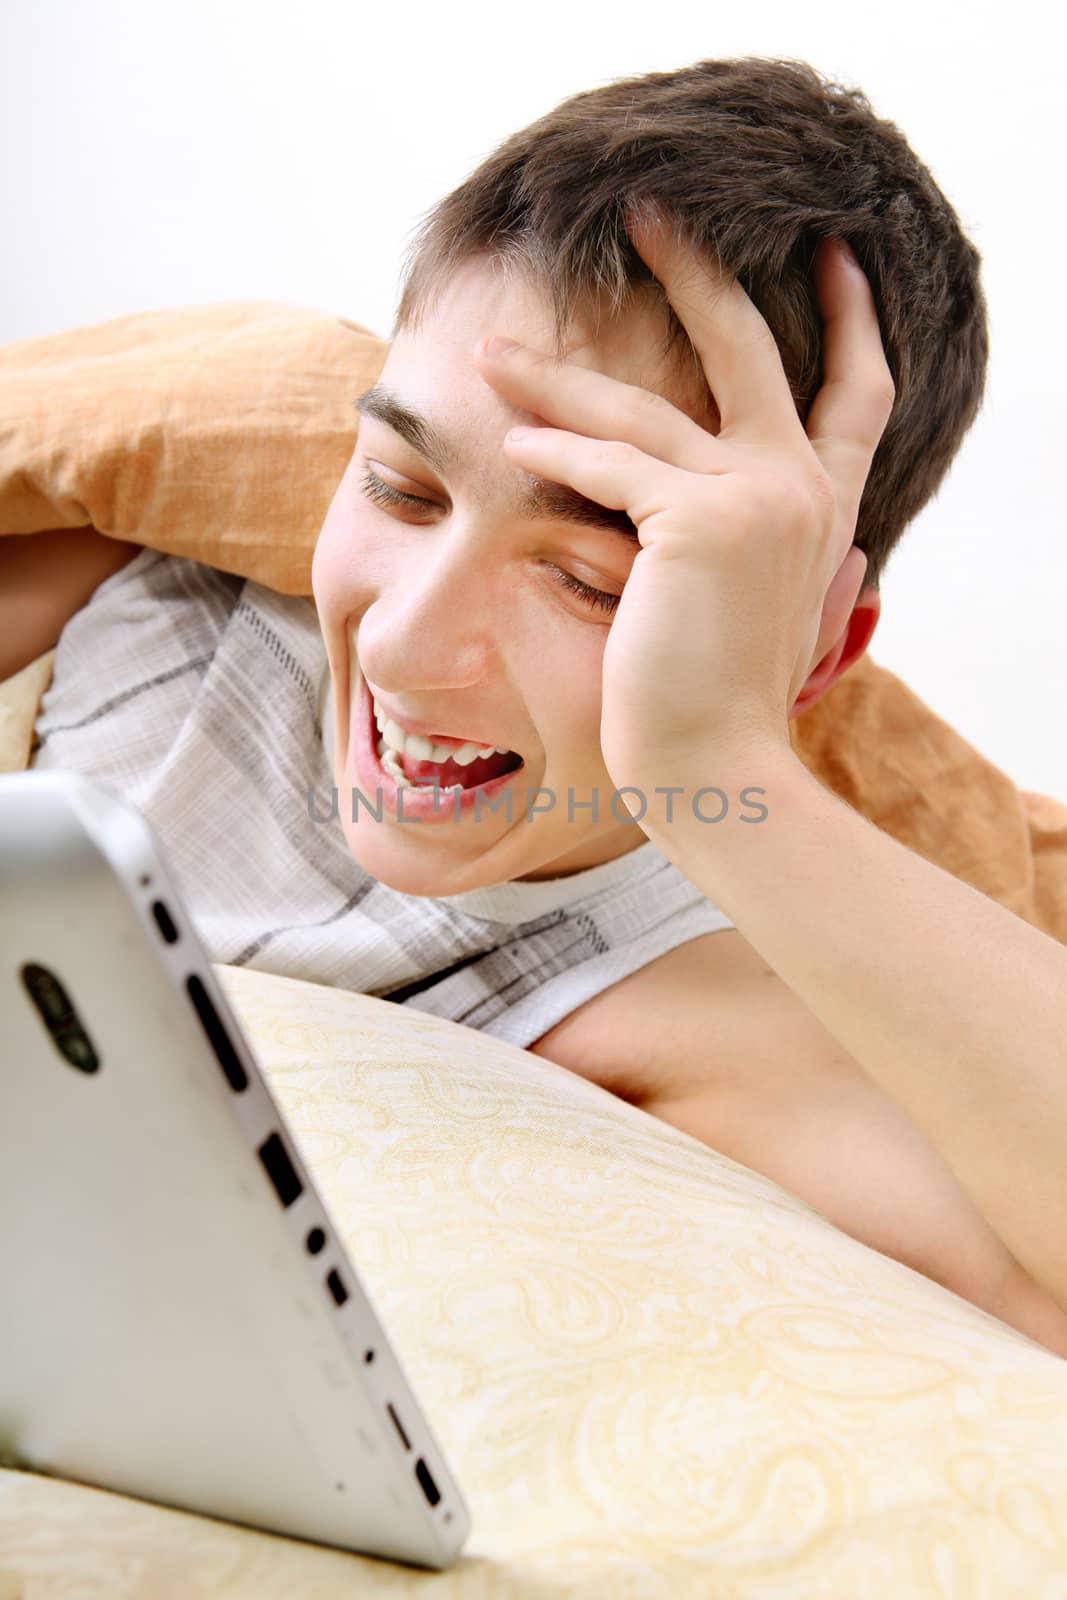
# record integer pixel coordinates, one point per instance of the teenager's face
(452, 612)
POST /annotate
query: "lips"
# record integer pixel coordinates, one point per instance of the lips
(481, 770)
(449, 739)
(435, 738)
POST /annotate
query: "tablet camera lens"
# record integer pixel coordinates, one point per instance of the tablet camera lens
(47, 994)
(79, 1051)
(59, 1017)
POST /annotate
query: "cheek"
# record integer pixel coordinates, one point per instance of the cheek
(565, 698)
(327, 563)
(342, 586)
(326, 586)
(350, 562)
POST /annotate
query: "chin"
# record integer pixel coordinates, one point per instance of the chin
(409, 871)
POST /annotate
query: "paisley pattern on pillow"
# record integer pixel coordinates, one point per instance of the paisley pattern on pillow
(654, 1372)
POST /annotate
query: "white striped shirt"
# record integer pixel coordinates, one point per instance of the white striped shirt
(200, 697)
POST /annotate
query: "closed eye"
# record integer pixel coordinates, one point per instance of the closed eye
(374, 489)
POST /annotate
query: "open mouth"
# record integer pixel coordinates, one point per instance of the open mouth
(417, 773)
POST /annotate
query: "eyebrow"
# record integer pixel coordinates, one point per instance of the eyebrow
(543, 499)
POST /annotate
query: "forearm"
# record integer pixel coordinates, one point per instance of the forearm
(952, 1005)
(44, 579)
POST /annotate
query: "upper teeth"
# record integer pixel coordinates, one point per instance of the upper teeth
(419, 748)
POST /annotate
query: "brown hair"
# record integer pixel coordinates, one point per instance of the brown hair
(757, 160)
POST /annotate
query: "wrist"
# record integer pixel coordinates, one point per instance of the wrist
(712, 798)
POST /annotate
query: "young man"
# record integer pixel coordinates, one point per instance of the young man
(611, 621)
(895, 1086)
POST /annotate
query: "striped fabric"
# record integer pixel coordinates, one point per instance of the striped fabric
(202, 698)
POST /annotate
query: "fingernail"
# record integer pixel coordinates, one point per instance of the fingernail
(495, 346)
(848, 252)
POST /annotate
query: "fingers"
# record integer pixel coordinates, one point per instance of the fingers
(606, 471)
(588, 402)
(737, 349)
(849, 414)
(743, 368)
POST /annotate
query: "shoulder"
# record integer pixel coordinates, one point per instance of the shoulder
(709, 1039)
(693, 1014)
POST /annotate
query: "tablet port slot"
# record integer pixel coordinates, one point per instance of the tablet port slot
(425, 1477)
(164, 922)
(280, 1169)
(398, 1425)
(336, 1287)
(218, 1038)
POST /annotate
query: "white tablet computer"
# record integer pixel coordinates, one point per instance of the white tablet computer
(178, 1319)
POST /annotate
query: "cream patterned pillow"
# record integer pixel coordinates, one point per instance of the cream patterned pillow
(654, 1372)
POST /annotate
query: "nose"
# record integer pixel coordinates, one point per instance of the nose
(433, 625)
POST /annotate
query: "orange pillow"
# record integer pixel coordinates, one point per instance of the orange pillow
(879, 747)
(215, 432)
(221, 432)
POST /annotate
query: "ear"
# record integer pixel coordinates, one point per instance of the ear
(849, 617)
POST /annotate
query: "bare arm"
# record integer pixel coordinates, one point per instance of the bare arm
(44, 579)
(955, 1007)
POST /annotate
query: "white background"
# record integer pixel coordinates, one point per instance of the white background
(155, 155)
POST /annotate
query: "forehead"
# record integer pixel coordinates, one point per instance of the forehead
(432, 365)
